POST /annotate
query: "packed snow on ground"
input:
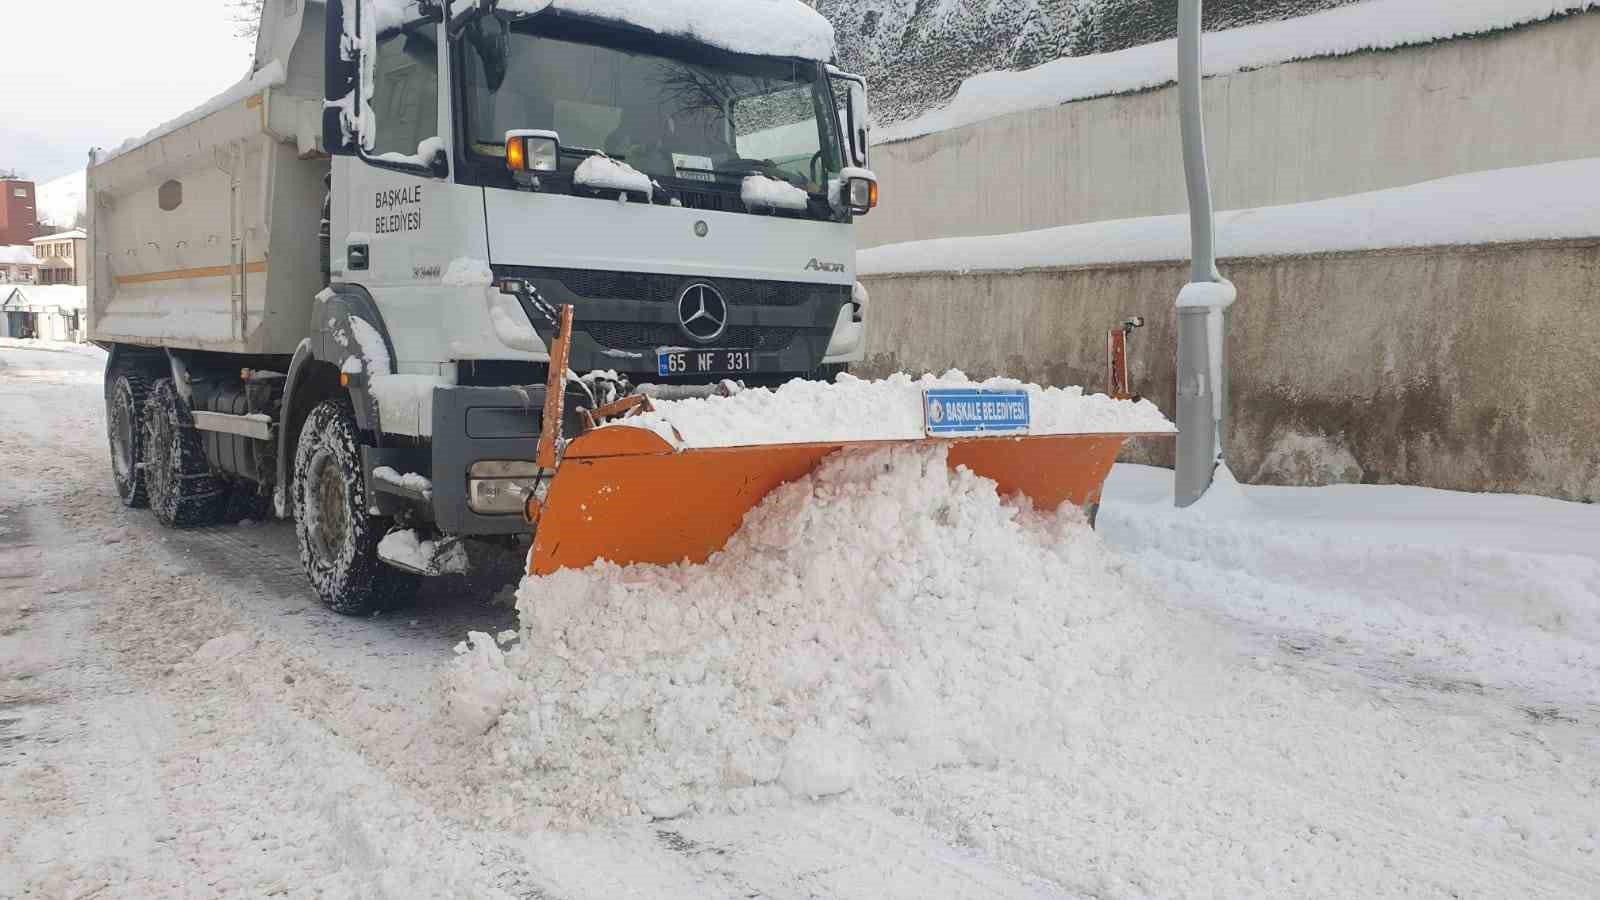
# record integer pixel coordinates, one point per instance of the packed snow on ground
(765, 27)
(1526, 203)
(1373, 25)
(890, 409)
(1354, 691)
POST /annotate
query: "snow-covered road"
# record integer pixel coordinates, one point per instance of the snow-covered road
(1353, 691)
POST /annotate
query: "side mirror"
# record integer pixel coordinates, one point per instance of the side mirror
(439, 164)
(339, 76)
(852, 91)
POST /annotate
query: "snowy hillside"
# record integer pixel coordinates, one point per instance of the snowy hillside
(61, 201)
(915, 53)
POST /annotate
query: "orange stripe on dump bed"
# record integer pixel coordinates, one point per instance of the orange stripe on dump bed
(254, 268)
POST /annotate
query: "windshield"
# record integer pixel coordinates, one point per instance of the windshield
(713, 120)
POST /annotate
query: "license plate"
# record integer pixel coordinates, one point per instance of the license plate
(704, 362)
(958, 411)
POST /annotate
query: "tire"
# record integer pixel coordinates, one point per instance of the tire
(177, 479)
(125, 433)
(338, 538)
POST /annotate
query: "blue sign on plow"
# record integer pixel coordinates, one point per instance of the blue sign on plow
(959, 411)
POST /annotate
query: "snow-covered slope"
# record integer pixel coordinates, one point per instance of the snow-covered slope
(919, 53)
(916, 52)
(61, 202)
(1521, 204)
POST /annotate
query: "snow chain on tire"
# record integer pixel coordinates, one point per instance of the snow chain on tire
(125, 432)
(338, 538)
(177, 479)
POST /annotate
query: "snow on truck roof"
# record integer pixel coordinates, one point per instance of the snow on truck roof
(764, 27)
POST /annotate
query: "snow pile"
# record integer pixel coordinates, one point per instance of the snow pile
(407, 549)
(409, 481)
(602, 173)
(852, 409)
(765, 27)
(1528, 203)
(761, 192)
(881, 617)
(1374, 25)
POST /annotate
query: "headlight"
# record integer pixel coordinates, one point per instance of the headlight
(501, 488)
(863, 195)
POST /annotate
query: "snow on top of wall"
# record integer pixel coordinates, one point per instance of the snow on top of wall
(765, 27)
(887, 410)
(1528, 203)
(19, 255)
(1374, 25)
(271, 75)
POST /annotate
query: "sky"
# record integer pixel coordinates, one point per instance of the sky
(83, 73)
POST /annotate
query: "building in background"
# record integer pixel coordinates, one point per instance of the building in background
(61, 257)
(19, 214)
(18, 265)
(46, 313)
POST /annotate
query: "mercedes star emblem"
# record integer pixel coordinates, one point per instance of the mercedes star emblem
(702, 312)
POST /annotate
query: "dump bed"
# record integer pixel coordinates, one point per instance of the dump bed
(203, 234)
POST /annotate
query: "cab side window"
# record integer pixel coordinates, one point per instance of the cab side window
(405, 102)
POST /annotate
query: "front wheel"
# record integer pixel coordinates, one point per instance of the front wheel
(338, 538)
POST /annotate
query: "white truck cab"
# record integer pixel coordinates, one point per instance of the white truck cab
(687, 180)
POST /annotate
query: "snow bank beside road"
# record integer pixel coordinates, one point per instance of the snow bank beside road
(890, 409)
(1529, 203)
(1373, 25)
(881, 617)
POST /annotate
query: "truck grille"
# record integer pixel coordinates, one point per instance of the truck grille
(631, 336)
(603, 285)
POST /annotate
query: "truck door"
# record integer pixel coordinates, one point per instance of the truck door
(399, 221)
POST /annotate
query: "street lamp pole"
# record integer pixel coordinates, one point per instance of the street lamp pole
(1203, 304)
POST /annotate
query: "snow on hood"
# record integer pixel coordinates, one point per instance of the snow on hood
(763, 27)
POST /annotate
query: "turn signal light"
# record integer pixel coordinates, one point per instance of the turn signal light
(532, 151)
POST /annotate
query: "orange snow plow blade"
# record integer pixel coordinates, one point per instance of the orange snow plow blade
(623, 494)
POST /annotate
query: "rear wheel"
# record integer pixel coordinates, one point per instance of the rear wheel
(125, 429)
(338, 538)
(177, 479)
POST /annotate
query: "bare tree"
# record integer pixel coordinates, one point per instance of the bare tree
(246, 16)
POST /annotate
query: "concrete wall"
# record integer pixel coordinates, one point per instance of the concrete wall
(1299, 131)
(1471, 368)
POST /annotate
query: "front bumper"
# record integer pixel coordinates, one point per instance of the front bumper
(470, 425)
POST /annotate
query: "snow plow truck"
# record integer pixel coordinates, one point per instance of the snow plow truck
(395, 283)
